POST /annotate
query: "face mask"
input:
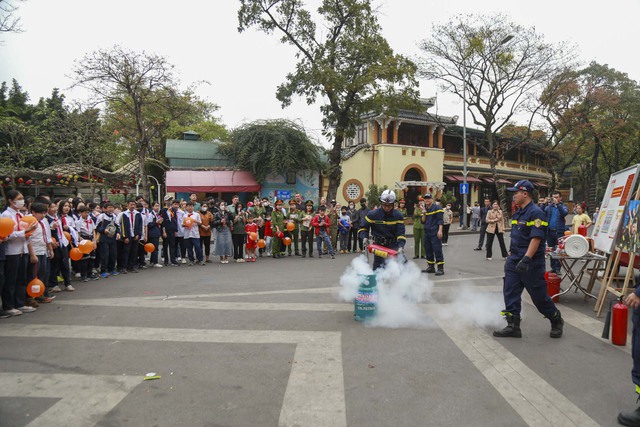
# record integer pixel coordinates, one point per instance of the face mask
(268, 218)
(19, 203)
(203, 209)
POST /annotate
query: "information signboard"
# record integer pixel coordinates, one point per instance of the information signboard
(619, 189)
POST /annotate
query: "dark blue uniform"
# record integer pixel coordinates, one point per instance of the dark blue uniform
(387, 229)
(528, 223)
(432, 220)
(555, 215)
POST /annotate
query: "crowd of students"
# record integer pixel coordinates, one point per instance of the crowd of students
(119, 235)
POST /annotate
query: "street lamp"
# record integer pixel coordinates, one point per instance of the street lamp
(465, 223)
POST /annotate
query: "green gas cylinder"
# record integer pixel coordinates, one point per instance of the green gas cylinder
(367, 298)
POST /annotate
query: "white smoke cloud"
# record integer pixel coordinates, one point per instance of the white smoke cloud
(470, 307)
(403, 289)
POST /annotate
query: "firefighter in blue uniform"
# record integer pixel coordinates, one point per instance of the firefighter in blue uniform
(525, 266)
(387, 228)
(633, 301)
(432, 218)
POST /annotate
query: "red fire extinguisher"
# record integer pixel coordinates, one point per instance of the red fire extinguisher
(582, 230)
(619, 320)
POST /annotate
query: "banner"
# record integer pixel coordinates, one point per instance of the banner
(619, 190)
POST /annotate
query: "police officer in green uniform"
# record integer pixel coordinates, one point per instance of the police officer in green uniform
(418, 229)
(277, 225)
(293, 216)
(525, 266)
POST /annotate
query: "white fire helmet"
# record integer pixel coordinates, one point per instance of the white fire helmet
(388, 196)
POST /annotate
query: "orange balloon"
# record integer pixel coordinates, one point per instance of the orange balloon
(35, 288)
(567, 233)
(286, 241)
(86, 246)
(262, 243)
(6, 227)
(149, 247)
(187, 222)
(26, 221)
(291, 226)
(75, 254)
(67, 235)
(253, 236)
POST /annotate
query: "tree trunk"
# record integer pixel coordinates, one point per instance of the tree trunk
(142, 172)
(335, 162)
(593, 175)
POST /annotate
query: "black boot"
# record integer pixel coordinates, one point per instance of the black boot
(630, 418)
(440, 271)
(430, 269)
(556, 326)
(512, 329)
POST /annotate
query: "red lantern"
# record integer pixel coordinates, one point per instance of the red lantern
(29, 182)
(20, 180)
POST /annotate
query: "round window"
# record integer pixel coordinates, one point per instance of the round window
(353, 191)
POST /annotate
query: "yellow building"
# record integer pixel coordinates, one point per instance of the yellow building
(415, 153)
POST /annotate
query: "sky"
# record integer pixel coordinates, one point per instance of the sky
(243, 70)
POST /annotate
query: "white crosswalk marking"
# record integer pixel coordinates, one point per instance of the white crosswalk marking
(315, 391)
(535, 400)
(84, 399)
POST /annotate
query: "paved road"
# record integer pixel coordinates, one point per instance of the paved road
(269, 343)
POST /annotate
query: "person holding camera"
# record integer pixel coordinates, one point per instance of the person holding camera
(555, 213)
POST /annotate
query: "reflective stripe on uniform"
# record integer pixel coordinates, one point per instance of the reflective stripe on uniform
(530, 223)
(401, 237)
(434, 212)
(362, 229)
(379, 222)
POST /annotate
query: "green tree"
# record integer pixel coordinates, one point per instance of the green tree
(596, 115)
(498, 68)
(373, 194)
(344, 60)
(273, 146)
(141, 95)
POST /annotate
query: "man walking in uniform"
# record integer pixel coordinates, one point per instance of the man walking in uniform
(432, 218)
(526, 265)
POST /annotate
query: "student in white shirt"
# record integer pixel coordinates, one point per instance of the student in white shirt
(87, 231)
(14, 292)
(59, 265)
(40, 248)
(192, 236)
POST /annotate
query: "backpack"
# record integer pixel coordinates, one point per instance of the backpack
(110, 230)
